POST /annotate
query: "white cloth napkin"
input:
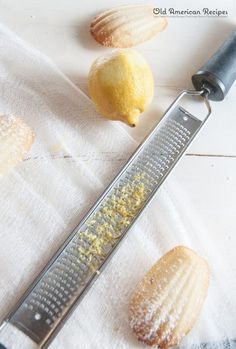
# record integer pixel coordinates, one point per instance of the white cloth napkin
(76, 153)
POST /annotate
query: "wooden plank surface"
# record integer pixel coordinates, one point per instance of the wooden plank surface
(59, 28)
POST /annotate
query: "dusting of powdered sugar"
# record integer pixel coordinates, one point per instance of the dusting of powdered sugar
(160, 317)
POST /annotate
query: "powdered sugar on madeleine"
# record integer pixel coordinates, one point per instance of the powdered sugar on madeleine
(167, 301)
(16, 138)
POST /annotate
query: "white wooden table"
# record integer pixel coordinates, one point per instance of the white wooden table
(59, 28)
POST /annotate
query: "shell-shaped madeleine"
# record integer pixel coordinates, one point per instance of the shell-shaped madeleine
(15, 140)
(126, 26)
(168, 300)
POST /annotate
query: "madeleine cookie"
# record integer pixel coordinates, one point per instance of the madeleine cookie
(126, 26)
(16, 139)
(167, 301)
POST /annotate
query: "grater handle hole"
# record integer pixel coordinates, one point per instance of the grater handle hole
(37, 316)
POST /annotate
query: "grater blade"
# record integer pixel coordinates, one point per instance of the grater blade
(61, 285)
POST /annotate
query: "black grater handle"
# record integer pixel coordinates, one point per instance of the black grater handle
(2, 346)
(219, 73)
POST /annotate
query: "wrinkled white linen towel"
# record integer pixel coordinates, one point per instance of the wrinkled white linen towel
(76, 153)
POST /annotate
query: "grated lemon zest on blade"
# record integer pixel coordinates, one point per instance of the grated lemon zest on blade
(109, 222)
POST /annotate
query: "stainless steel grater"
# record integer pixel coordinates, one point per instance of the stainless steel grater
(64, 281)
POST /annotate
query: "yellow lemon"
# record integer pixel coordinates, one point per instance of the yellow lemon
(121, 85)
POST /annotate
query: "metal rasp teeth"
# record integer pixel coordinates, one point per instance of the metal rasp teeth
(76, 265)
(15, 140)
(168, 300)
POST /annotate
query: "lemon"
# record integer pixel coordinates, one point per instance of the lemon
(121, 85)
